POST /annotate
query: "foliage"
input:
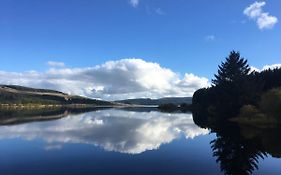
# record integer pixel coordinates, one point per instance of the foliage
(268, 79)
(248, 111)
(250, 98)
(232, 71)
(235, 88)
(168, 107)
(228, 92)
(271, 103)
(184, 107)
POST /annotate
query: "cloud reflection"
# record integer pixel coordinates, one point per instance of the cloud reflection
(113, 130)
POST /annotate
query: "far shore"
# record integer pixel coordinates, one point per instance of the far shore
(42, 106)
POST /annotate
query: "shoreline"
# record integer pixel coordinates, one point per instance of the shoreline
(77, 106)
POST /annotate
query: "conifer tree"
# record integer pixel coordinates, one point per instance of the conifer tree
(231, 84)
(233, 70)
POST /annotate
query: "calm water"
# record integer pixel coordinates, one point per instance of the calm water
(116, 141)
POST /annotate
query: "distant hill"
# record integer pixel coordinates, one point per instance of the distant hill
(12, 94)
(160, 101)
(9, 116)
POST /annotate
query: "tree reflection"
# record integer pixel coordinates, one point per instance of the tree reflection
(238, 149)
(236, 156)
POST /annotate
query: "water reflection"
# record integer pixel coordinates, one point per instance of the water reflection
(113, 130)
(237, 156)
(240, 148)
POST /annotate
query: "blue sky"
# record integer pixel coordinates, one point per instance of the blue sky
(191, 36)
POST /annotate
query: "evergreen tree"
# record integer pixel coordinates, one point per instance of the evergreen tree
(231, 84)
(233, 70)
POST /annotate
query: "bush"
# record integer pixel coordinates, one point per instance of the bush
(248, 111)
(271, 103)
(168, 107)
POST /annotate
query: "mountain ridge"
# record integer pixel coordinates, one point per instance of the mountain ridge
(159, 101)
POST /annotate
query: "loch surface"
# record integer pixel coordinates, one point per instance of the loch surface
(116, 141)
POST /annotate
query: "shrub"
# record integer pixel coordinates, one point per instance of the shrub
(248, 111)
(271, 103)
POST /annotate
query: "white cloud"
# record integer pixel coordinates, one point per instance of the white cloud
(134, 3)
(273, 66)
(263, 19)
(254, 10)
(266, 21)
(55, 64)
(125, 78)
(121, 131)
(254, 69)
(266, 67)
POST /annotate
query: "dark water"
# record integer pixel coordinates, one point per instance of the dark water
(116, 141)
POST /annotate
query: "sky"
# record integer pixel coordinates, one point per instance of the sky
(117, 49)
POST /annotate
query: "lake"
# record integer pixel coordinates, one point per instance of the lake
(116, 141)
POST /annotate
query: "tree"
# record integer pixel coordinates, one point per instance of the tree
(232, 86)
(233, 70)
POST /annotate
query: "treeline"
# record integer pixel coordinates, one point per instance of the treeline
(236, 91)
(172, 107)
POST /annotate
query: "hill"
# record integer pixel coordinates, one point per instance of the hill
(160, 101)
(12, 94)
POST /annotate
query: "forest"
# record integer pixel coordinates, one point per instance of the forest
(239, 94)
